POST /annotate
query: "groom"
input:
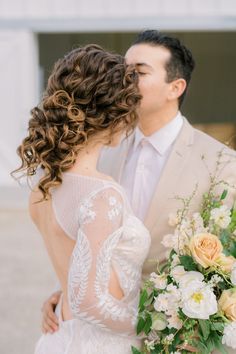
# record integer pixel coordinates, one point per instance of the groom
(165, 156)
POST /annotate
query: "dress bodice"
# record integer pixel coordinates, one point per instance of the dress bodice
(109, 240)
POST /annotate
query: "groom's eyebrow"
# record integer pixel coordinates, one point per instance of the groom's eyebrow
(145, 65)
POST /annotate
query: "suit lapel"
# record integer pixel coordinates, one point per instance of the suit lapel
(168, 184)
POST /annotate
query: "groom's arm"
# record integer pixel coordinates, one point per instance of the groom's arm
(49, 318)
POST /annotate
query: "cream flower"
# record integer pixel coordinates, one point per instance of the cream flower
(205, 249)
(225, 262)
(221, 216)
(227, 303)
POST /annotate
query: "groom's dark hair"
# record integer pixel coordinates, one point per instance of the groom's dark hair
(181, 63)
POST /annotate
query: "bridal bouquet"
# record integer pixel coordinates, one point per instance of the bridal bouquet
(189, 304)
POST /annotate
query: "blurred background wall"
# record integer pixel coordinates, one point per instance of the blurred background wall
(33, 34)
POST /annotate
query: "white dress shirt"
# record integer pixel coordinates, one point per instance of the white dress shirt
(145, 161)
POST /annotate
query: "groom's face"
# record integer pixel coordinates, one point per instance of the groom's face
(150, 61)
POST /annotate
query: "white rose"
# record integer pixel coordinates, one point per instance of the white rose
(189, 277)
(199, 301)
(160, 281)
(221, 216)
(233, 275)
(178, 272)
(229, 335)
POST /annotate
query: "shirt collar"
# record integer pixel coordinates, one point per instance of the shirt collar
(163, 138)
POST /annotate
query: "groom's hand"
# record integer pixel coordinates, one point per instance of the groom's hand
(50, 320)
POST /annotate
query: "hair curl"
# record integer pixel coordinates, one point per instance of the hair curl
(89, 91)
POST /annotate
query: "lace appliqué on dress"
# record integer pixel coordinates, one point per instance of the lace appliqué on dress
(86, 214)
(78, 274)
(116, 208)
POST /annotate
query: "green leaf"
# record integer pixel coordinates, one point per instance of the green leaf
(143, 298)
(149, 300)
(217, 326)
(140, 325)
(224, 194)
(202, 348)
(218, 343)
(205, 328)
(148, 325)
(135, 350)
(188, 263)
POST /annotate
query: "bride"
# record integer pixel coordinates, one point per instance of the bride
(96, 244)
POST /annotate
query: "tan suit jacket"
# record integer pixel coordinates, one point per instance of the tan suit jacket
(184, 169)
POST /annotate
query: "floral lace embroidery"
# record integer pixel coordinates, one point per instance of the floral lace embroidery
(108, 305)
(86, 214)
(116, 208)
(78, 274)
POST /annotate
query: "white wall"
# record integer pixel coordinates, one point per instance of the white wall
(18, 93)
(107, 15)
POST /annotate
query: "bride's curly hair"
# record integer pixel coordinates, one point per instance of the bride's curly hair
(89, 91)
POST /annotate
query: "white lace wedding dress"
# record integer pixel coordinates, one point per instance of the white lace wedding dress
(108, 237)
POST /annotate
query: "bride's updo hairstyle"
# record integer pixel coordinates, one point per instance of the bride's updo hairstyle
(89, 91)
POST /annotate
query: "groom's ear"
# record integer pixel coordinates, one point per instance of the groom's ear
(177, 87)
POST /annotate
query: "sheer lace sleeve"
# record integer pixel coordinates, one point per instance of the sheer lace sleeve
(92, 269)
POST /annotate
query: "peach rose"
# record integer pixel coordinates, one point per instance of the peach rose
(205, 248)
(225, 262)
(227, 303)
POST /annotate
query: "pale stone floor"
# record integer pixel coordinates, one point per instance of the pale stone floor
(26, 280)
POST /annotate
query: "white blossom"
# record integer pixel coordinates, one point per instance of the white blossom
(176, 241)
(190, 276)
(149, 344)
(178, 272)
(174, 321)
(199, 301)
(198, 224)
(221, 216)
(168, 339)
(173, 219)
(229, 335)
(161, 302)
(169, 241)
(160, 281)
(215, 279)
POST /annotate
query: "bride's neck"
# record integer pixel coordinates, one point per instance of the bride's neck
(87, 159)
